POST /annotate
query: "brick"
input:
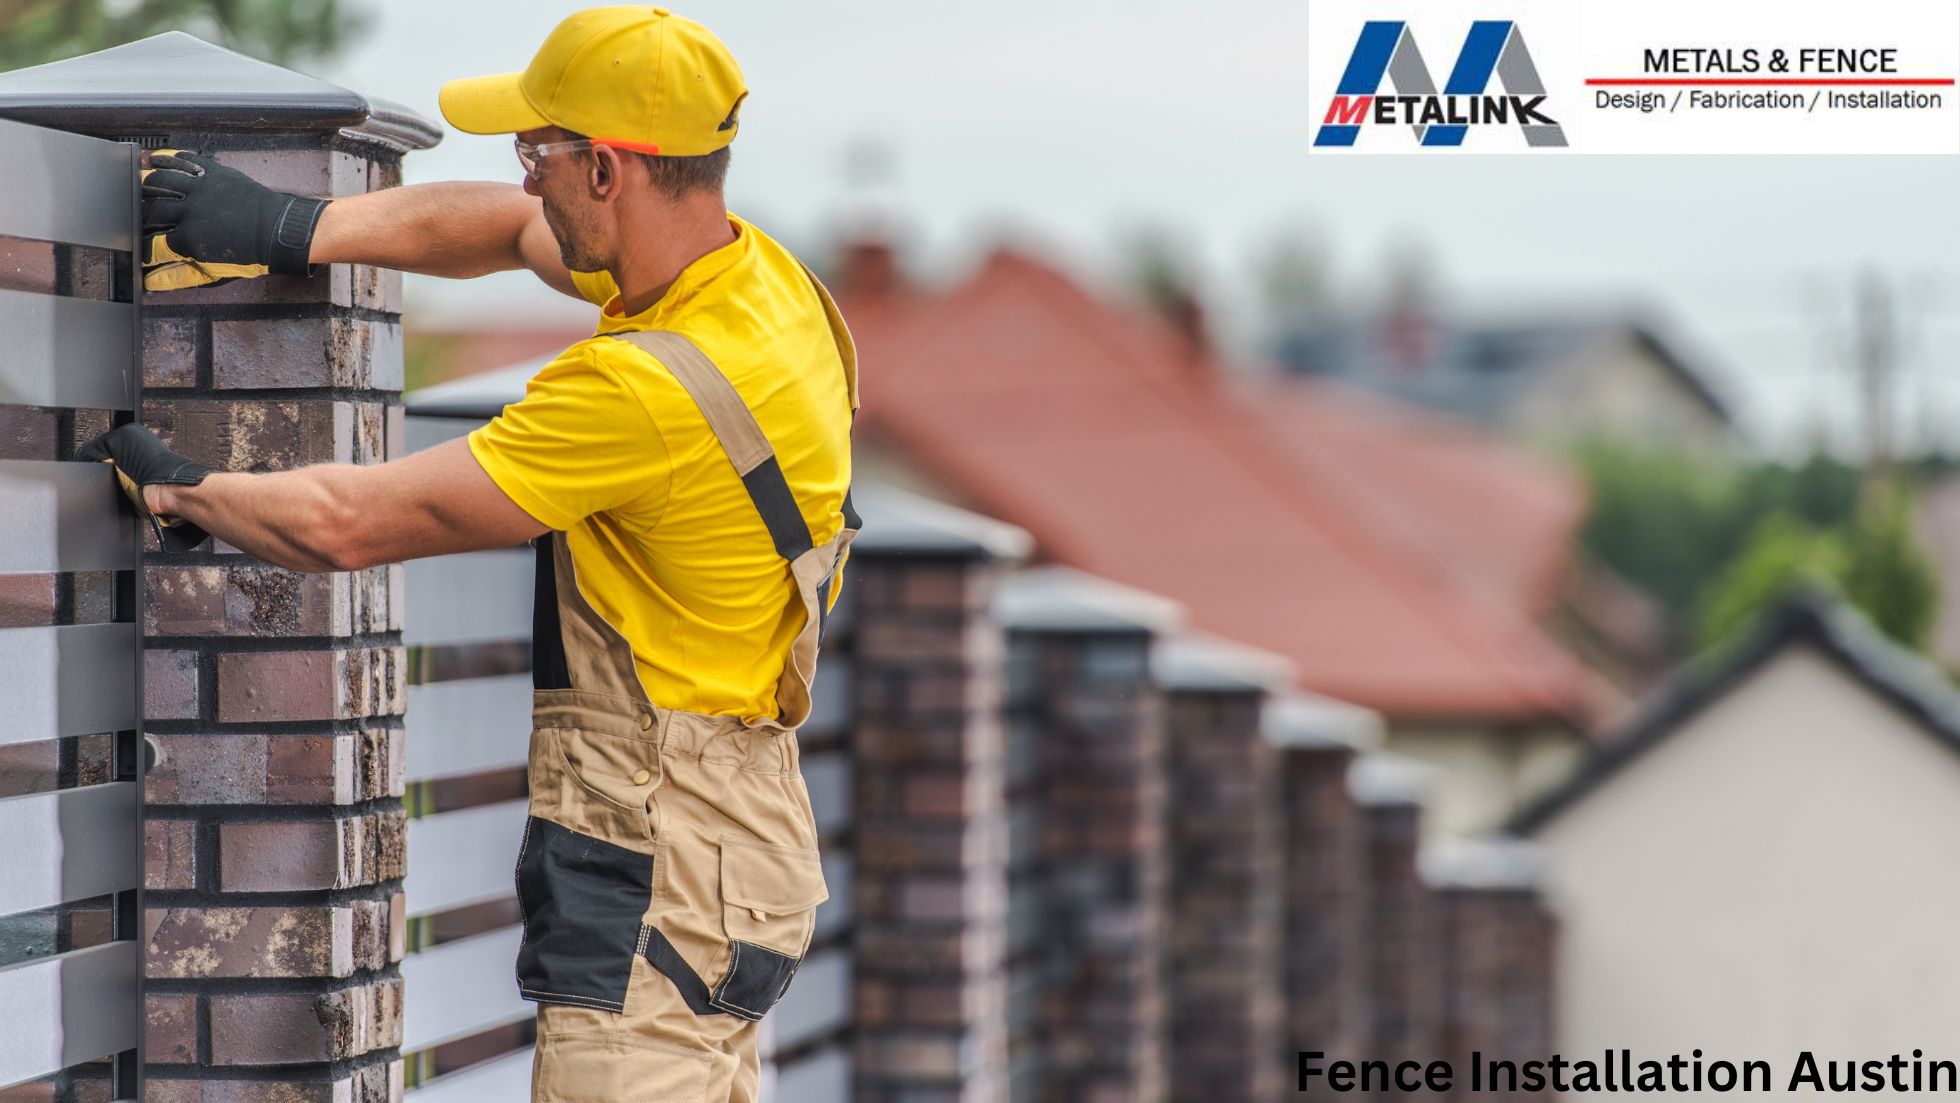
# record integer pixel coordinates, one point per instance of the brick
(292, 855)
(225, 768)
(170, 1028)
(169, 854)
(269, 434)
(256, 687)
(171, 350)
(28, 432)
(192, 942)
(170, 685)
(27, 600)
(306, 352)
(305, 1027)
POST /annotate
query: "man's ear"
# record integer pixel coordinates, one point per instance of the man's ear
(605, 176)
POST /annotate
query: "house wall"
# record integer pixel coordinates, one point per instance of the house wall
(1772, 877)
(1620, 391)
(1485, 774)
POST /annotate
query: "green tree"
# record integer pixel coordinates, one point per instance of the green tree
(1887, 572)
(1783, 556)
(279, 31)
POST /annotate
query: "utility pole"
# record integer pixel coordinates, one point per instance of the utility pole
(1876, 353)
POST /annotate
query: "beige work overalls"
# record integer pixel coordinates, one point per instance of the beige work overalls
(669, 871)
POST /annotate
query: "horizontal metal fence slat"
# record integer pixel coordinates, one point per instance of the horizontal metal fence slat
(473, 598)
(830, 696)
(62, 1011)
(835, 914)
(463, 857)
(461, 988)
(71, 844)
(824, 1078)
(504, 1080)
(69, 679)
(818, 1000)
(72, 189)
(827, 776)
(65, 352)
(64, 517)
(468, 726)
(427, 432)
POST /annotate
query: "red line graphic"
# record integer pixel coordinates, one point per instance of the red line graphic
(1757, 81)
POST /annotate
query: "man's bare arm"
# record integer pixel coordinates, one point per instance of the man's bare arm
(458, 229)
(346, 517)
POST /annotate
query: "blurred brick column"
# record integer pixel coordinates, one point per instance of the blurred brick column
(1405, 962)
(1327, 939)
(1498, 948)
(275, 832)
(1087, 758)
(1225, 896)
(931, 875)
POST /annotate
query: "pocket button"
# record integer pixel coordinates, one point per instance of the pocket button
(641, 777)
(645, 721)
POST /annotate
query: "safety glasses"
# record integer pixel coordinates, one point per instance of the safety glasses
(528, 154)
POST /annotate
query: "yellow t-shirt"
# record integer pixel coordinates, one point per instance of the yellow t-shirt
(607, 447)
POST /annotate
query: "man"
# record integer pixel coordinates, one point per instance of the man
(684, 476)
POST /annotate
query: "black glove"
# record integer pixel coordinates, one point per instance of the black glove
(205, 223)
(141, 459)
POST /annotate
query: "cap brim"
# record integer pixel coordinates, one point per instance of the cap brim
(488, 105)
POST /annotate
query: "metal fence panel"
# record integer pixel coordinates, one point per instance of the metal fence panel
(64, 519)
(504, 1080)
(66, 352)
(461, 988)
(70, 679)
(65, 187)
(61, 1011)
(464, 857)
(78, 843)
(468, 726)
(479, 597)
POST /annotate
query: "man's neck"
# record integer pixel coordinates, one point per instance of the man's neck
(656, 258)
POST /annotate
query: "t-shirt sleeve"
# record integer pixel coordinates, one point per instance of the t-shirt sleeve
(580, 441)
(598, 288)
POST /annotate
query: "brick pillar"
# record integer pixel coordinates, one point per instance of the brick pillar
(275, 830)
(1404, 964)
(931, 875)
(1498, 944)
(1086, 784)
(1327, 939)
(1225, 873)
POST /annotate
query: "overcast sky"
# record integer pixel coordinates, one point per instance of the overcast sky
(1069, 122)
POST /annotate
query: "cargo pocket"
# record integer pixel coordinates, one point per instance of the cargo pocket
(581, 899)
(609, 1068)
(769, 899)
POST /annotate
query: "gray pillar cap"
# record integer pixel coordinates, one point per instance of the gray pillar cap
(176, 81)
(1063, 599)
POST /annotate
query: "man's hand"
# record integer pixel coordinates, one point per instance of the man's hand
(205, 223)
(142, 460)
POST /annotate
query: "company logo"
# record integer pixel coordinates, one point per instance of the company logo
(1387, 49)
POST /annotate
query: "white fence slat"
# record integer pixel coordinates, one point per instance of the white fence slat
(79, 192)
(62, 516)
(476, 597)
(461, 988)
(68, 679)
(62, 1011)
(463, 857)
(66, 352)
(71, 844)
(468, 726)
(504, 1080)
(823, 1078)
(818, 1000)
(827, 776)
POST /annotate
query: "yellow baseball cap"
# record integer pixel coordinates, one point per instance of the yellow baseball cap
(635, 77)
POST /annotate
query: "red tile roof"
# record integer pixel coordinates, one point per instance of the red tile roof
(1401, 561)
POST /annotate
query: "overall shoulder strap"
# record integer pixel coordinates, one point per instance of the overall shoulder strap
(734, 425)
